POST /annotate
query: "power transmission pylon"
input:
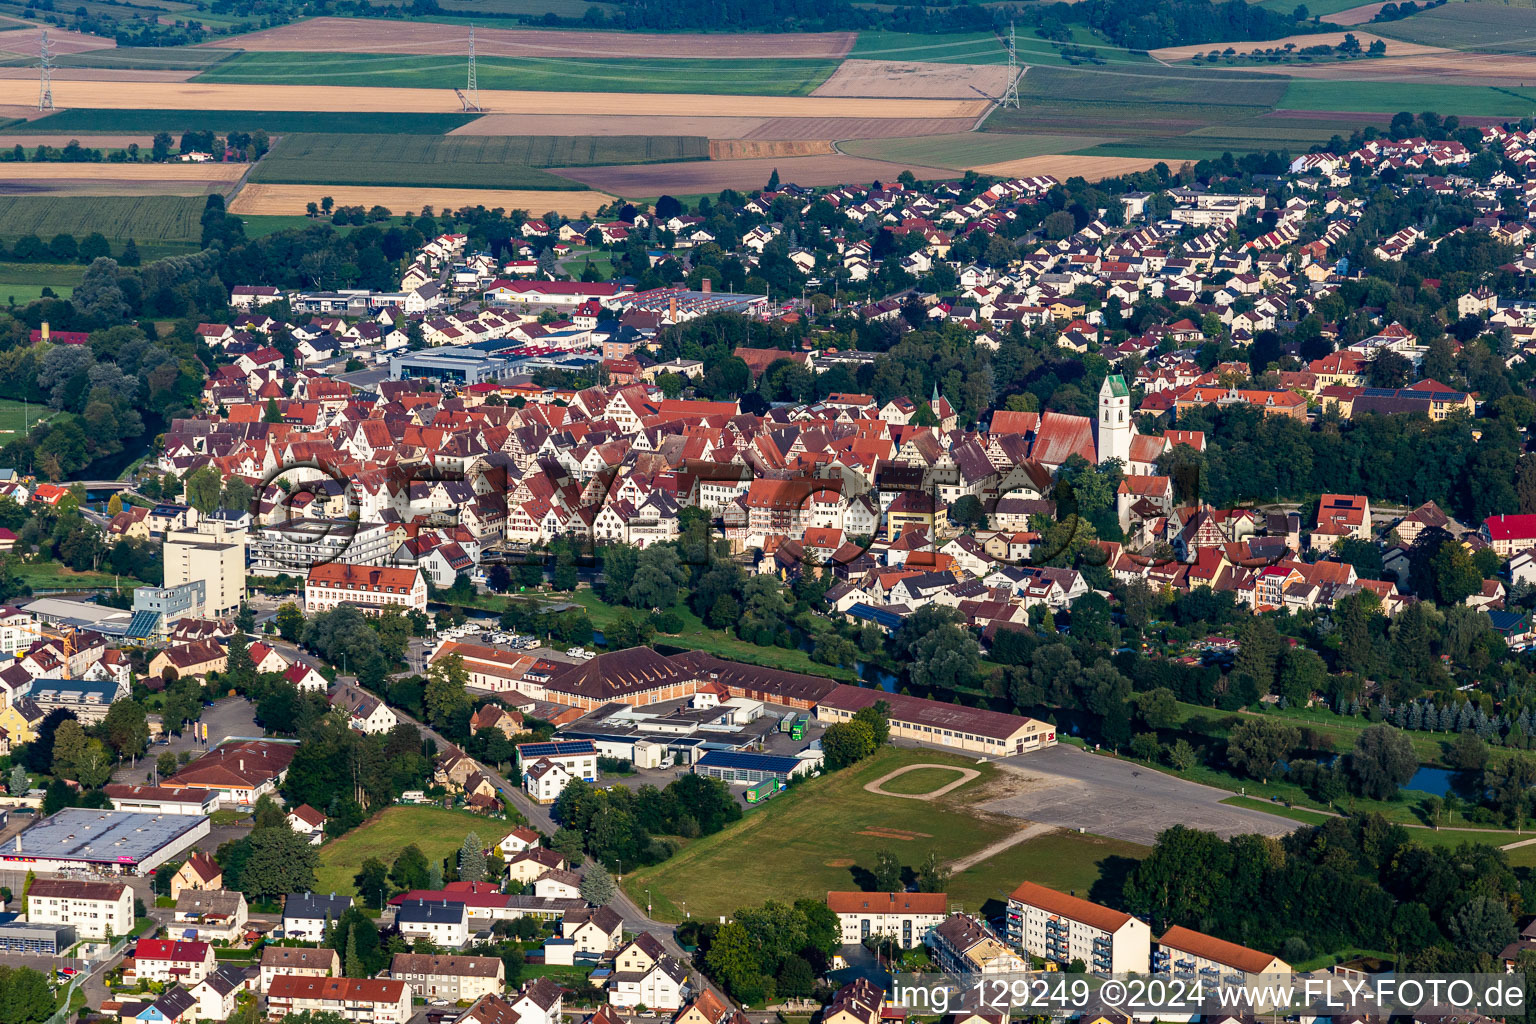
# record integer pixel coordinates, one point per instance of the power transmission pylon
(474, 88)
(45, 66)
(1011, 96)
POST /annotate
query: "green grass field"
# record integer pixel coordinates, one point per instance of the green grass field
(141, 58)
(958, 48)
(18, 417)
(525, 8)
(1492, 28)
(273, 122)
(22, 283)
(1317, 8)
(436, 830)
(143, 218)
(722, 77)
(921, 780)
(465, 161)
(1089, 866)
(966, 149)
(1391, 97)
(817, 833)
(54, 576)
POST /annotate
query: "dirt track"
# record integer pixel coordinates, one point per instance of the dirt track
(227, 96)
(913, 79)
(645, 180)
(362, 35)
(292, 199)
(965, 775)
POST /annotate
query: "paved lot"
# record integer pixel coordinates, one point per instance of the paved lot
(1065, 786)
(232, 716)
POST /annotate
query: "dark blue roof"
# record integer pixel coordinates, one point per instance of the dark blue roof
(750, 762)
(557, 748)
(429, 911)
(1504, 621)
(314, 906)
(879, 616)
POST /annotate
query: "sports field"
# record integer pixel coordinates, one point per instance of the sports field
(436, 830)
(818, 834)
(460, 161)
(772, 77)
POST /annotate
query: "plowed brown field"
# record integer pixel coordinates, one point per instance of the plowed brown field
(1091, 168)
(840, 128)
(361, 35)
(292, 199)
(744, 149)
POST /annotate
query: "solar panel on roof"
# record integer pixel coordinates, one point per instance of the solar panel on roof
(741, 759)
(142, 624)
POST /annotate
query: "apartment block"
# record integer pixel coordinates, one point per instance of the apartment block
(1063, 928)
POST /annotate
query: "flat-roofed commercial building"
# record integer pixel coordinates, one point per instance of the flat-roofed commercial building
(110, 842)
(1063, 928)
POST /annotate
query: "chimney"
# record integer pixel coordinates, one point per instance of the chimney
(242, 764)
(45, 330)
(672, 308)
(708, 286)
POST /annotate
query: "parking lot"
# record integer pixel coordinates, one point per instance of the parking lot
(227, 718)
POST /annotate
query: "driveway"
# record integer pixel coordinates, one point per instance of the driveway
(1066, 786)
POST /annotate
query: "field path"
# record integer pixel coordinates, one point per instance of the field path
(353, 99)
(878, 786)
(1024, 834)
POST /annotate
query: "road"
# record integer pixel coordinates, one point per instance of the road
(1066, 786)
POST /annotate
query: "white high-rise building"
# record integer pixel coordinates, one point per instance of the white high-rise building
(214, 554)
(1115, 426)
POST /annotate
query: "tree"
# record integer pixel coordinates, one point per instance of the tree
(445, 692)
(410, 869)
(932, 876)
(24, 996)
(1158, 708)
(733, 962)
(1468, 753)
(597, 885)
(372, 882)
(1382, 761)
(846, 743)
(1302, 673)
(887, 871)
(68, 748)
(1255, 746)
(471, 860)
(290, 621)
(203, 488)
(127, 728)
(1454, 575)
(281, 861)
(1482, 925)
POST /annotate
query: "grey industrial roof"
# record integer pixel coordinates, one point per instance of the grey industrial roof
(114, 837)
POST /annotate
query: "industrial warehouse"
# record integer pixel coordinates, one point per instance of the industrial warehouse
(107, 842)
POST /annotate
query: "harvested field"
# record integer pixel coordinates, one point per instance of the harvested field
(291, 199)
(743, 149)
(220, 96)
(882, 78)
(83, 119)
(615, 124)
(354, 35)
(108, 179)
(24, 42)
(1354, 15)
(840, 128)
(1491, 27)
(648, 180)
(1092, 168)
(967, 149)
(98, 74)
(1395, 47)
(953, 48)
(1442, 67)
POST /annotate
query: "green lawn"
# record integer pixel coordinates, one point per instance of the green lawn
(1278, 809)
(805, 842)
(921, 780)
(698, 637)
(766, 77)
(436, 830)
(1089, 866)
(54, 576)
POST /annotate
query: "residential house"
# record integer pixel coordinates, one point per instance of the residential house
(308, 915)
(365, 1000)
(213, 915)
(454, 978)
(199, 871)
(300, 961)
(167, 960)
(902, 916)
(441, 923)
(1061, 928)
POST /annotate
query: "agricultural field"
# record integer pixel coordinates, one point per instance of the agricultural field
(1317, 8)
(959, 48)
(522, 8)
(190, 59)
(460, 161)
(273, 122)
(346, 35)
(1491, 28)
(1391, 97)
(437, 831)
(291, 200)
(142, 218)
(774, 77)
(880, 78)
(967, 149)
(822, 832)
(125, 179)
(21, 283)
(646, 180)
